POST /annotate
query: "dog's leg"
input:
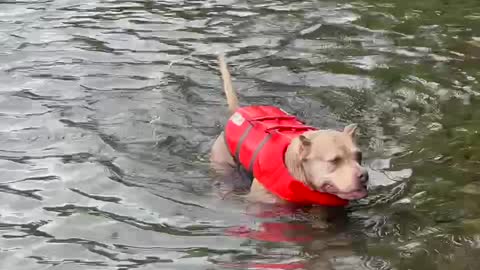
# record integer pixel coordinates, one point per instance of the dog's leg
(228, 176)
(258, 193)
(319, 217)
(220, 157)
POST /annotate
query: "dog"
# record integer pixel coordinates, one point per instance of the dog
(322, 161)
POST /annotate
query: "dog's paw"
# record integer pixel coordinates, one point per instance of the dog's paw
(320, 224)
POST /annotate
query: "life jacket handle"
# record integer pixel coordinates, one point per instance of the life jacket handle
(280, 117)
(289, 127)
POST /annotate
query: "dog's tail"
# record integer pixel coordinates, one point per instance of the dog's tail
(232, 99)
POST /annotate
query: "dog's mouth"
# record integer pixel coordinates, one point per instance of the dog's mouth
(356, 194)
(353, 195)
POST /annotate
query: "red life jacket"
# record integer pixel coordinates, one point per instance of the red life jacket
(257, 137)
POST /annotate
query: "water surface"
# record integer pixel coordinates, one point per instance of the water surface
(108, 110)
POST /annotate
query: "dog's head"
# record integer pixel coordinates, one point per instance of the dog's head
(331, 162)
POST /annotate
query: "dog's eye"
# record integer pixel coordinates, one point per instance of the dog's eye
(358, 157)
(334, 160)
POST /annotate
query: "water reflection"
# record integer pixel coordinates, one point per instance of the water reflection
(108, 110)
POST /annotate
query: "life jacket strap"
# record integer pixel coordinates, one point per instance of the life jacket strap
(259, 148)
(241, 141)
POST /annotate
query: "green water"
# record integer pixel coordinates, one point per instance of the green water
(108, 110)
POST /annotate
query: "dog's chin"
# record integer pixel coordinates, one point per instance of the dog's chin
(356, 194)
(353, 195)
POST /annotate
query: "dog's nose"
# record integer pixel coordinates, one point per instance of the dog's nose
(363, 177)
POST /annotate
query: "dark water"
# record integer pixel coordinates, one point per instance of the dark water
(108, 110)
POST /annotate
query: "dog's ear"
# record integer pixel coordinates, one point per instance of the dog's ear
(305, 145)
(351, 130)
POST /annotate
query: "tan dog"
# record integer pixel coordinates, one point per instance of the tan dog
(325, 160)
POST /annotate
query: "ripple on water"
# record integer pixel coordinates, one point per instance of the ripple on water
(108, 110)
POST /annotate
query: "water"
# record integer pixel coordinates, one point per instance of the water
(108, 110)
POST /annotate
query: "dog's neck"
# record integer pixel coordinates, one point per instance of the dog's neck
(293, 162)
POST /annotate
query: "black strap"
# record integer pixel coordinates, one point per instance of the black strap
(240, 142)
(255, 154)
